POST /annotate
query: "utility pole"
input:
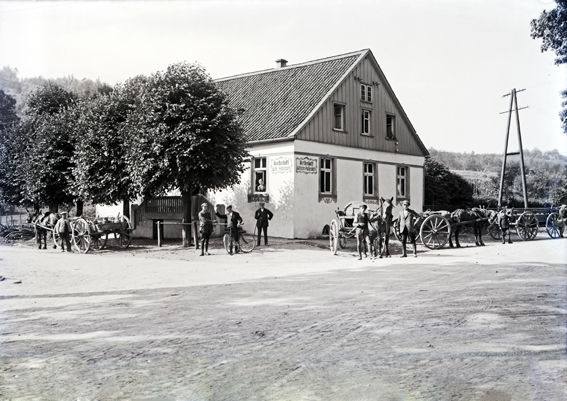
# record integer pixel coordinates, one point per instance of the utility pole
(513, 108)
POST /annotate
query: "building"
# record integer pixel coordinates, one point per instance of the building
(322, 134)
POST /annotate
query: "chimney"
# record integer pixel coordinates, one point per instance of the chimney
(282, 62)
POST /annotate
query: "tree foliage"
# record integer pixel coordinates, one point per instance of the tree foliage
(36, 160)
(100, 169)
(8, 115)
(183, 135)
(551, 28)
(546, 175)
(445, 189)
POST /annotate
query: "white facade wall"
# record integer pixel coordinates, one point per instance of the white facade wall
(279, 186)
(299, 211)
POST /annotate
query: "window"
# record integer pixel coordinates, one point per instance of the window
(402, 182)
(260, 176)
(339, 113)
(390, 126)
(366, 93)
(326, 176)
(369, 178)
(365, 122)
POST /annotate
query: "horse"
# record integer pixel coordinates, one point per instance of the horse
(477, 216)
(379, 228)
(44, 223)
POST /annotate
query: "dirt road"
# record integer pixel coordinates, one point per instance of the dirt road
(290, 322)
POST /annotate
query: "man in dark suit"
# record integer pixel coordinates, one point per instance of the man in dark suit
(262, 217)
(233, 221)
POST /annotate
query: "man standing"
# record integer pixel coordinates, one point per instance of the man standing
(406, 221)
(205, 228)
(504, 224)
(262, 217)
(233, 222)
(63, 228)
(362, 233)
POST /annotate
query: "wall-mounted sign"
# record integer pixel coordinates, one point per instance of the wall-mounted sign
(280, 165)
(258, 198)
(305, 165)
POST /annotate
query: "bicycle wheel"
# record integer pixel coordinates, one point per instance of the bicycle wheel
(226, 242)
(247, 242)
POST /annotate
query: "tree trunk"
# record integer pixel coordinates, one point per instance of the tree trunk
(79, 205)
(126, 207)
(186, 230)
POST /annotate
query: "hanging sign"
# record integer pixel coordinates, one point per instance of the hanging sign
(306, 165)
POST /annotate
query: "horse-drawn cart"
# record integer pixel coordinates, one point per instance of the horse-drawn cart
(528, 221)
(341, 228)
(92, 234)
(437, 228)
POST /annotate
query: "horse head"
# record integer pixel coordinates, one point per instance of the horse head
(49, 219)
(386, 206)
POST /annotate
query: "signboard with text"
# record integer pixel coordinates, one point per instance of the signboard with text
(280, 165)
(306, 165)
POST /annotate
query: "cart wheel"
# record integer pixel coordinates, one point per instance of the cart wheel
(551, 225)
(124, 239)
(80, 235)
(96, 242)
(494, 231)
(334, 237)
(527, 226)
(435, 231)
(56, 239)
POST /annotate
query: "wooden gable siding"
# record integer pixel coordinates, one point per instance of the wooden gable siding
(320, 127)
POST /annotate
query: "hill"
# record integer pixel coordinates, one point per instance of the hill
(546, 175)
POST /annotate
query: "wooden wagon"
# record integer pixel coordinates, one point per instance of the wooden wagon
(92, 234)
(341, 228)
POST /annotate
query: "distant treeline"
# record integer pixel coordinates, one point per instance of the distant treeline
(546, 178)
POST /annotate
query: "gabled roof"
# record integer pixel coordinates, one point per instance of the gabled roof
(275, 102)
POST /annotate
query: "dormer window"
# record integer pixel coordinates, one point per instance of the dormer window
(365, 93)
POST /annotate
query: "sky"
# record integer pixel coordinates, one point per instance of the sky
(449, 62)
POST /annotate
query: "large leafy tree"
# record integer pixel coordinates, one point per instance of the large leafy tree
(183, 136)
(551, 28)
(37, 158)
(100, 169)
(9, 191)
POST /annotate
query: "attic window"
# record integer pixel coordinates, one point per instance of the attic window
(390, 126)
(365, 93)
(339, 114)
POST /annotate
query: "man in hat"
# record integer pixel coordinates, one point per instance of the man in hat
(63, 228)
(233, 221)
(205, 228)
(262, 217)
(406, 222)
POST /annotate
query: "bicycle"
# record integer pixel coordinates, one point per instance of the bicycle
(245, 244)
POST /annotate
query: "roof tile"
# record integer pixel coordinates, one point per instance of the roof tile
(274, 103)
